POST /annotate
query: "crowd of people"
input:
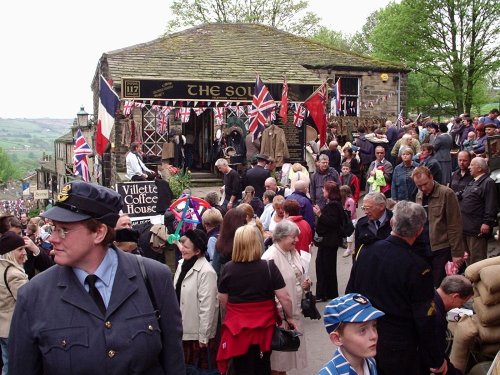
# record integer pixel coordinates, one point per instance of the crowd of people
(135, 301)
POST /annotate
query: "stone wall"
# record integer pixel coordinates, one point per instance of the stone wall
(372, 87)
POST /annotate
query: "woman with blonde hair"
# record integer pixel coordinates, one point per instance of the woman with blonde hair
(12, 258)
(298, 173)
(247, 288)
(250, 198)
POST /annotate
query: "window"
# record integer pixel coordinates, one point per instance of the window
(152, 140)
(349, 96)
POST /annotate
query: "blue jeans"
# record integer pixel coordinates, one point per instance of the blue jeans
(3, 344)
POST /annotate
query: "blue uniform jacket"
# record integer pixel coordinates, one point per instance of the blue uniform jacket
(338, 365)
(58, 329)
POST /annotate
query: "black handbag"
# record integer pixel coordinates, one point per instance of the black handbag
(308, 306)
(285, 340)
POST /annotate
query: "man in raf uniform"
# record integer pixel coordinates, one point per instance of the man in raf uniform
(398, 282)
(94, 312)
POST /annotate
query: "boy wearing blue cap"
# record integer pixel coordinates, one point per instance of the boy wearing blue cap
(350, 321)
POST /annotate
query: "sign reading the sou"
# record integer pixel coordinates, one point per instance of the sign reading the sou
(139, 198)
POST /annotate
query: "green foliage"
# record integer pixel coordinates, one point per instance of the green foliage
(452, 44)
(289, 15)
(180, 181)
(335, 39)
(26, 140)
(7, 170)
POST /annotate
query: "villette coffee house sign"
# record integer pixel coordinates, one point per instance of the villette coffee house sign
(163, 89)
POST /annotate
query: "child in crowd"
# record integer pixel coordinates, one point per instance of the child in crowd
(350, 321)
(351, 180)
(350, 205)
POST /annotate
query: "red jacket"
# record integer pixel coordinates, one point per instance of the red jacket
(245, 324)
(354, 185)
(306, 234)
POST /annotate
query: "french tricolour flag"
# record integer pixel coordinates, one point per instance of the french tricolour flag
(108, 105)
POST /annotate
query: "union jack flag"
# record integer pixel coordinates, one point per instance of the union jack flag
(198, 110)
(262, 106)
(401, 120)
(80, 151)
(184, 114)
(128, 107)
(219, 115)
(299, 115)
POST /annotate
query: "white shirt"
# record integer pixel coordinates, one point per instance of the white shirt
(135, 166)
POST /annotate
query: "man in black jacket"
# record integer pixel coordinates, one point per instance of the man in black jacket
(479, 207)
(376, 224)
(398, 281)
(257, 175)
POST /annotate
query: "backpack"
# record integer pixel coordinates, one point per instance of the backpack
(347, 227)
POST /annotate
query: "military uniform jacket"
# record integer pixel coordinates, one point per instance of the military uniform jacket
(398, 282)
(58, 329)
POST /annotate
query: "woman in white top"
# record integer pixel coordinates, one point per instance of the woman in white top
(287, 259)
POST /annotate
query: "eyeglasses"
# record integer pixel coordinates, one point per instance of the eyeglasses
(62, 233)
(365, 208)
(380, 153)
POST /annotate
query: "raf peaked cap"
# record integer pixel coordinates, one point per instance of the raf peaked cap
(79, 200)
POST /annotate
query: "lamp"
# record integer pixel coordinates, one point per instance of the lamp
(82, 118)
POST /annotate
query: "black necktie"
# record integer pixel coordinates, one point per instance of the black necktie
(378, 224)
(94, 293)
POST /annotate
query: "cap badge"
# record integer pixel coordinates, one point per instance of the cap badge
(63, 195)
(360, 299)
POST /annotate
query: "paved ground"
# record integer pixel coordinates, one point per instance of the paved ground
(319, 347)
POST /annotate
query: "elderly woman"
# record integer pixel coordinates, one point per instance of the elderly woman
(196, 288)
(284, 254)
(328, 228)
(403, 188)
(247, 288)
(12, 258)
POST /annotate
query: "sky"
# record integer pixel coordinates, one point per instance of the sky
(50, 48)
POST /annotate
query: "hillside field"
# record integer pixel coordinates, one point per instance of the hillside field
(25, 140)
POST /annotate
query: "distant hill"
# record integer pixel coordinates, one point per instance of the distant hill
(25, 140)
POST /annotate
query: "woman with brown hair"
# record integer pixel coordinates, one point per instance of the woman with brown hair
(250, 198)
(328, 230)
(224, 246)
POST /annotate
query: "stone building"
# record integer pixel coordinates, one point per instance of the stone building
(215, 65)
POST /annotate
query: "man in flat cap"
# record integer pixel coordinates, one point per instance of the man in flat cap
(97, 311)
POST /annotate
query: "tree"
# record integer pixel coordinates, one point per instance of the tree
(332, 38)
(288, 15)
(453, 44)
(7, 170)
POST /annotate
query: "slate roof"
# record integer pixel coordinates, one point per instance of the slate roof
(234, 52)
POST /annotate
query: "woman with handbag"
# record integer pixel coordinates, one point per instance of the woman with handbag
(328, 238)
(196, 288)
(12, 258)
(287, 259)
(247, 288)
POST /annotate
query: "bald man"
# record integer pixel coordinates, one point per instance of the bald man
(333, 154)
(306, 206)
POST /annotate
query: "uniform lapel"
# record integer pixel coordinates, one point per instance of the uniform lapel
(75, 294)
(124, 285)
